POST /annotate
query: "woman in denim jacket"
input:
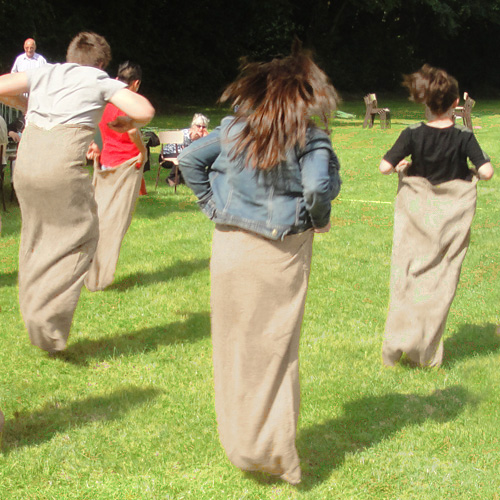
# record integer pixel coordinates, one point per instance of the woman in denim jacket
(266, 177)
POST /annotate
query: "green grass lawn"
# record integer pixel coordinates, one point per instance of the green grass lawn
(127, 411)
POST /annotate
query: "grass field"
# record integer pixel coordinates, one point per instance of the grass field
(127, 412)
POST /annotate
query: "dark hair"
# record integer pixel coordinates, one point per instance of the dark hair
(129, 72)
(433, 87)
(276, 102)
(17, 125)
(89, 49)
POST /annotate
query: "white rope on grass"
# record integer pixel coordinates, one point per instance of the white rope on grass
(377, 202)
(367, 201)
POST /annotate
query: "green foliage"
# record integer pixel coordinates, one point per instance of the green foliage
(126, 412)
(190, 51)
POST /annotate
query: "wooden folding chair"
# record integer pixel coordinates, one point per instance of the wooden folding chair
(372, 110)
(175, 137)
(465, 111)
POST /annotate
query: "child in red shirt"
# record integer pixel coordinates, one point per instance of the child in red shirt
(118, 148)
(117, 183)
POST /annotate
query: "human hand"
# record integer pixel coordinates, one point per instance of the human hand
(140, 161)
(402, 166)
(197, 132)
(15, 136)
(323, 229)
(485, 172)
(121, 124)
(93, 152)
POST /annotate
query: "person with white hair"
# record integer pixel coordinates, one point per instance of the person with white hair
(30, 59)
(197, 130)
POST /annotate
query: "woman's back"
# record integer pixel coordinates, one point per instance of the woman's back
(289, 198)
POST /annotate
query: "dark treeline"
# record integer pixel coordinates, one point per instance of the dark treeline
(190, 49)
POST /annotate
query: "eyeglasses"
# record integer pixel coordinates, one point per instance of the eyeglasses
(200, 126)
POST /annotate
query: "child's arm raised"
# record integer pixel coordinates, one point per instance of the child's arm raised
(12, 86)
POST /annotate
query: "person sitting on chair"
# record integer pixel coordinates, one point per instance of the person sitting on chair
(197, 130)
(15, 129)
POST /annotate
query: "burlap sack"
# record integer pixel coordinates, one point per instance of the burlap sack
(59, 229)
(116, 193)
(431, 237)
(258, 291)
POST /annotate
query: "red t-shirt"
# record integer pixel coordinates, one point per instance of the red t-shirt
(116, 147)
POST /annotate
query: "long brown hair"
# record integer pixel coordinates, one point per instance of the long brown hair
(433, 87)
(276, 101)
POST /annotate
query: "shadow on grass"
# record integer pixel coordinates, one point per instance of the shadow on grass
(470, 341)
(366, 422)
(180, 269)
(164, 202)
(8, 279)
(82, 352)
(33, 428)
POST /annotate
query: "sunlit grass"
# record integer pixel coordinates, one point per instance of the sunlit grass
(127, 411)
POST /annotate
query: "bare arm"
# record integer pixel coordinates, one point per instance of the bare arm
(136, 138)
(385, 167)
(12, 86)
(17, 101)
(485, 172)
(138, 109)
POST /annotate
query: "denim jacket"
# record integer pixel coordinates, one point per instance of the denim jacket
(290, 198)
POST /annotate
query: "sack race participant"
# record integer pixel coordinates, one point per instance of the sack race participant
(434, 209)
(117, 181)
(266, 177)
(59, 215)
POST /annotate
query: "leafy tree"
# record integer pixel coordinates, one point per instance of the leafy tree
(191, 50)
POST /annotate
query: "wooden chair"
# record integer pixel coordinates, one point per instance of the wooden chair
(465, 111)
(175, 137)
(373, 110)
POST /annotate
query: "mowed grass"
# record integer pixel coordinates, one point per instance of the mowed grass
(127, 411)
